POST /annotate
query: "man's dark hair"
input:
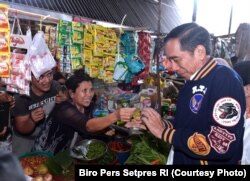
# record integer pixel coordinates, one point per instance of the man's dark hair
(58, 75)
(190, 36)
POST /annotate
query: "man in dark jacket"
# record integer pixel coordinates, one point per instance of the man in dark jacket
(208, 127)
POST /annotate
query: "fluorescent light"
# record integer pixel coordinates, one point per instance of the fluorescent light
(109, 25)
(153, 36)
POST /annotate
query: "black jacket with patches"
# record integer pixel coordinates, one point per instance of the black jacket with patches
(208, 127)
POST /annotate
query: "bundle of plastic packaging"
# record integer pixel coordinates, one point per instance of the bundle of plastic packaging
(40, 57)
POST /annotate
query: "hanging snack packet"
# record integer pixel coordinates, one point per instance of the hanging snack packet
(4, 64)
(4, 21)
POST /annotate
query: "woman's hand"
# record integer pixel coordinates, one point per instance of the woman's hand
(125, 114)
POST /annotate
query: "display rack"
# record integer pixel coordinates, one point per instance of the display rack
(17, 12)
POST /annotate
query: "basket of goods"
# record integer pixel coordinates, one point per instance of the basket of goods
(121, 149)
(33, 164)
(147, 150)
(89, 150)
(43, 166)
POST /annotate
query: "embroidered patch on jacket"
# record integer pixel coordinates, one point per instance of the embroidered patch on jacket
(197, 143)
(220, 139)
(195, 103)
(227, 112)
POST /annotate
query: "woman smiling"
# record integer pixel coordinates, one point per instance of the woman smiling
(75, 115)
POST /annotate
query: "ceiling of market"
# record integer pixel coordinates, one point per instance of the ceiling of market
(139, 13)
(144, 14)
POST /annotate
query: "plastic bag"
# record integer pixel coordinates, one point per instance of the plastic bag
(135, 64)
(20, 74)
(120, 71)
(40, 57)
(121, 68)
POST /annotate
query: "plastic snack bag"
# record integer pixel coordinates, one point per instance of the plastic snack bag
(135, 64)
(40, 57)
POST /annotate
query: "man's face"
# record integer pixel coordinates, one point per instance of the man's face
(44, 82)
(182, 62)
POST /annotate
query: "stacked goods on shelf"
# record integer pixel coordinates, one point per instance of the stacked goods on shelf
(50, 38)
(127, 47)
(135, 49)
(144, 52)
(128, 43)
(76, 46)
(64, 32)
(111, 40)
(90, 63)
(148, 97)
(99, 52)
(63, 46)
(14, 66)
(4, 42)
(20, 77)
(91, 46)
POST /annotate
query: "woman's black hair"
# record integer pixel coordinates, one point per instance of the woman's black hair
(75, 80)
(78, 77)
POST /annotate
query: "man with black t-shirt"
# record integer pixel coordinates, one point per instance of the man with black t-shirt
(30, 113)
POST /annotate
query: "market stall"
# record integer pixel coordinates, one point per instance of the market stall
(127, 65)
(114, 57)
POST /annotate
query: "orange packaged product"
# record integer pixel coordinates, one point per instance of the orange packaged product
(4, 22)
(4, 41)
(4, 65)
